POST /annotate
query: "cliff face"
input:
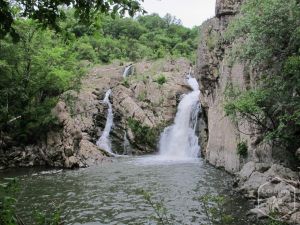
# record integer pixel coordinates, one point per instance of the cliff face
(220, 135)
(214, 74)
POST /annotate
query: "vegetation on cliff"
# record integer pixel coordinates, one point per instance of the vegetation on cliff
(44, 63)
(266, 37)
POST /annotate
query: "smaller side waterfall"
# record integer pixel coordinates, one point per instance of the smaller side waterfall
(179, 141)
(104, 141)
(127, 150)
(127, 71)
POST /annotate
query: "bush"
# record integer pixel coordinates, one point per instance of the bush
(214, 209)
(125, 83)
(144, 134)
(242, 149)
(161, 79)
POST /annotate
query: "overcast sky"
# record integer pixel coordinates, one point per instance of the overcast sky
(190, 12)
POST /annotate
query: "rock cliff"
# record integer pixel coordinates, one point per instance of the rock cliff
(220, 135)
(214, 74)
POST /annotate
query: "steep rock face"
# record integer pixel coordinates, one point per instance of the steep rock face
(261, 168)
(214, 75)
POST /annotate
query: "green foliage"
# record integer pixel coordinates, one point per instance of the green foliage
(146, 37)
(8, 200)
(161, 79)
(242, 149)
(50, 217)
(161, 214)
(143, 134)
(34, 72)
(270, 28)
(214, 209)
(266, 37)
(8, 192)
(125, 83)
(212, 40)
(49, 13)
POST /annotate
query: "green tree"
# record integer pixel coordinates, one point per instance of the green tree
(49, 12)
(34, 72)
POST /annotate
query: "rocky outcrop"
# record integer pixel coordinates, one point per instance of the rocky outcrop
(214, 74)
(258, 171)
(275, 188)
(142, 106)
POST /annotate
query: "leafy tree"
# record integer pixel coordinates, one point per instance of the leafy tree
(49, 12)
(34, 72)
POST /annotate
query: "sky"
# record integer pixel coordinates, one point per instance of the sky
(190, 12)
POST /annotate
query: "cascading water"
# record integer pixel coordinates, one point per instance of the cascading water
(104, 141)
(127, 71)
(127, 150)
(179, 141)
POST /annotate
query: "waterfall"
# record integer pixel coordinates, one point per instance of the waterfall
(104, 141)
(179, 140)
(127, 150)
(127, 71)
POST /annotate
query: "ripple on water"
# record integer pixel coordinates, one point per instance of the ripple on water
(106, 194)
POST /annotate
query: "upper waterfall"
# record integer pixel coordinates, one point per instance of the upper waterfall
(104, 141)
(127, 71)
(179, 140)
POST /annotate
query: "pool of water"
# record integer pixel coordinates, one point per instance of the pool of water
(107, 194)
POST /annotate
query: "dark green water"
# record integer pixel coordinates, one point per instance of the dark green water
(106, 194)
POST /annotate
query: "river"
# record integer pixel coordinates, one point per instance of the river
(107, 194)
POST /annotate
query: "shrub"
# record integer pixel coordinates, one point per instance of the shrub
(161, 215)
(8, 200)
(214, 209)
(242, 149)
(161, 79)
(125, 83)
(144, 134)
